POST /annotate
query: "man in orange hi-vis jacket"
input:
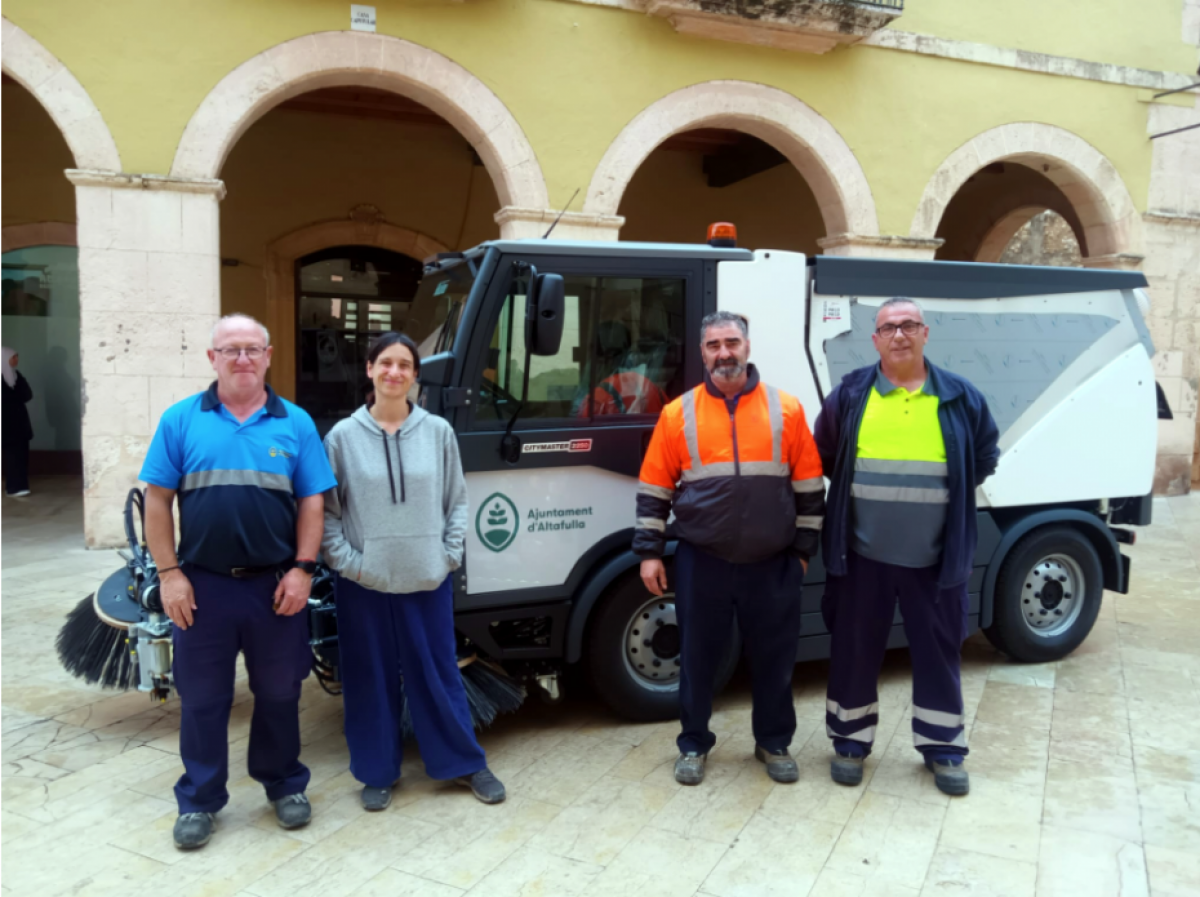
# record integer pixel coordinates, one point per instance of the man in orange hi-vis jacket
(735, 460)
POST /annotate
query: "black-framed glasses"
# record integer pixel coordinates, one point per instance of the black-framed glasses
(908, 328)
(230, 353)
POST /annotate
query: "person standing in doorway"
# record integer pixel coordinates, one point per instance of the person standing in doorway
(394, 532)
(734, 459)
(904, 444)
(250, 473)
(18, 431)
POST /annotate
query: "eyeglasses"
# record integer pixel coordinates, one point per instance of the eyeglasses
(230, 353)
(908, 328)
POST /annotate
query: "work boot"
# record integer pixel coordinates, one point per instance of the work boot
(193, 830)
(780, 765)
(846, 770)
(293, 811)
(484, 785)
(376, 798)
(949, 776)
(689, 768)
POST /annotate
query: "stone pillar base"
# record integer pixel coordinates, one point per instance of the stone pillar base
(880, 247)
(524, 224)
(149, 294)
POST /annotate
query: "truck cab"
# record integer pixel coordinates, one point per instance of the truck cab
(553, 359)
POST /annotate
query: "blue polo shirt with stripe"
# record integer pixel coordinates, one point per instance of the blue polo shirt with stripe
(237, 482)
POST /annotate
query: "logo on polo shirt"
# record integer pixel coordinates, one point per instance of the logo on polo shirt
(496, 524)
(279, 453)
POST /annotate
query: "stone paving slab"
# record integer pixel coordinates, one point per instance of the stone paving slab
(1086, 774)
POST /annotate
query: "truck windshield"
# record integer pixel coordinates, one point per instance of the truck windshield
(436, 310)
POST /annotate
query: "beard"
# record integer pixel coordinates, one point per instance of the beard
(728, 370)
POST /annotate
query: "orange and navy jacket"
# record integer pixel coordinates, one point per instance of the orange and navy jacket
(742, 475)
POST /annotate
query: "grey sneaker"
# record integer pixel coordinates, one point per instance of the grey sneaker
(780, 765)
(846, 770)
(193, 830)
(949, 777)
(293, 811)
(689, 768)
(484, 785)
(376, 798)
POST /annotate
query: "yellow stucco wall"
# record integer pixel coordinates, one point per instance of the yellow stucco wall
(1144, 34)
(575, 75)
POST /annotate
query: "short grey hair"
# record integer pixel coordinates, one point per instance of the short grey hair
(901, 300)
(718, 318)
(237, 316)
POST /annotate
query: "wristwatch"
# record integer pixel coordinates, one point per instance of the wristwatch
(309, 567)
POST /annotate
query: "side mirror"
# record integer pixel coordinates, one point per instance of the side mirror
(544, 314)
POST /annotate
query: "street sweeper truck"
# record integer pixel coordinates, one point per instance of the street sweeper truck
(552, 360)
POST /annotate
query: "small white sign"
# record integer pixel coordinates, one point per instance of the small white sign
(362, 18)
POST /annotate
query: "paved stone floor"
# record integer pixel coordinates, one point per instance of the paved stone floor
(1085, 775)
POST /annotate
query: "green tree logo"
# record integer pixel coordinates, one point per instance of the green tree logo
(497, 522)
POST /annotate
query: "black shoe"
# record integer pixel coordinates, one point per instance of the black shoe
(689, 768)
(485, 786)
(846, 770)
(376, 798)
(950, 777)
(293, 811)
(193, 830)
(780, 765)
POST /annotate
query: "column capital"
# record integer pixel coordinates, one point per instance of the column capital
(1117, 261)
(886, 246)
(118, 181)
(519, 223)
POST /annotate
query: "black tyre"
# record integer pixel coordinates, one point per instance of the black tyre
(1048, 595)
(633, 652)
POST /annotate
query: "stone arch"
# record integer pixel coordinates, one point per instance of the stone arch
(62, 96)
(283, 253)
(1111, 225)
(41, 233)
(808, 141)
(350, 58)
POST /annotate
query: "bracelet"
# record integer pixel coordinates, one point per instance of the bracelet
(163, 570)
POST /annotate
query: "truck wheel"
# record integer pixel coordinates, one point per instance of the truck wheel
(1048, 595)
(633, 652)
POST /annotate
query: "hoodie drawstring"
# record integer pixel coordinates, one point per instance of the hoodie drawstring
(399, 460)
(400, 464)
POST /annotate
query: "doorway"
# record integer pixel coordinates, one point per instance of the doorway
(344, 296)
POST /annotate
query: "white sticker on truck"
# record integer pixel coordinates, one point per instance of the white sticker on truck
(528, 528)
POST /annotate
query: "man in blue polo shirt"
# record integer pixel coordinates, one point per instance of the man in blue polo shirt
(249, 472)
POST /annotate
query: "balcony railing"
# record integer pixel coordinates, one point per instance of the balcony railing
(808, 26)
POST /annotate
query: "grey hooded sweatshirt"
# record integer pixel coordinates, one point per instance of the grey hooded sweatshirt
(397, 518)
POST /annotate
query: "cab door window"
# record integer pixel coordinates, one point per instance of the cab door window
(621, 354)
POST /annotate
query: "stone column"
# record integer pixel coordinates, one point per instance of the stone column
(149, 295)
(1172, 234)
(884, 247)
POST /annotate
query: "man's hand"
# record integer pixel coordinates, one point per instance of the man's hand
(291, 595)
(179, 601)
(654, 575)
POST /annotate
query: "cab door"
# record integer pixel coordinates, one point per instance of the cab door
(541, 515)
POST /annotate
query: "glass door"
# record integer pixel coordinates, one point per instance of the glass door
(345, 295)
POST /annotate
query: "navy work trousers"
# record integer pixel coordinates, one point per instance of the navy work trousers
(858, 609)
(381, 636)
(235, 615)
(764, 598)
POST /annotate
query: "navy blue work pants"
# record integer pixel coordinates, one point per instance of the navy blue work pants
(859, 609)
(235, 615)
(381, 636)
(764, 599)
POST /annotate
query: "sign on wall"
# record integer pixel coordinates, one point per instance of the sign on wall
(362, 18)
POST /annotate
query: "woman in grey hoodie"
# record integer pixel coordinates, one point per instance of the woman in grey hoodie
(394, 530)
